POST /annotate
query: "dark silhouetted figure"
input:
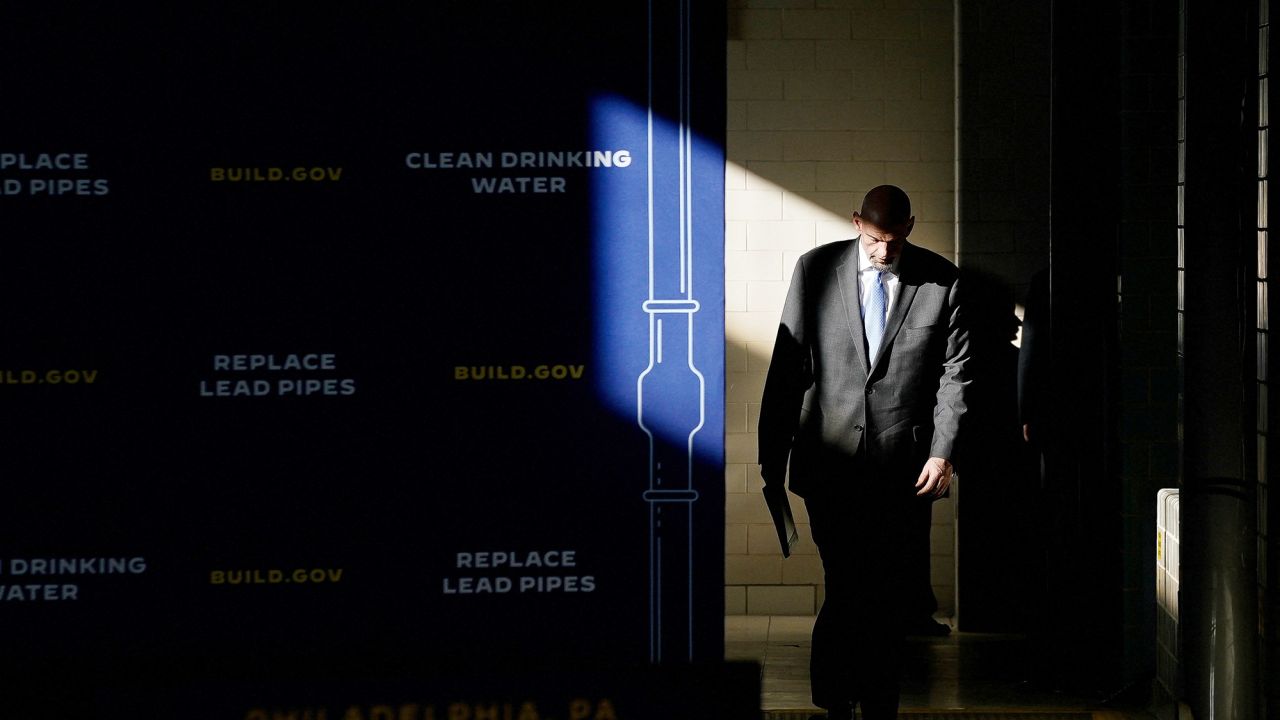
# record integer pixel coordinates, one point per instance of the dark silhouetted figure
(1033, 360)
(863, 402)
(1049, 504)
(994, 532)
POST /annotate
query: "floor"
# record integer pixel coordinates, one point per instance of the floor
(962, 671)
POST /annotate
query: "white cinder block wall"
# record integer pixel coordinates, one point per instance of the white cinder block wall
(827, 99)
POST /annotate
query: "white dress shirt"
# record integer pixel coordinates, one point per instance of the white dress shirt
(866, 279)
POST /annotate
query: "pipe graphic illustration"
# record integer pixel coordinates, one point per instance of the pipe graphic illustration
(671, 392)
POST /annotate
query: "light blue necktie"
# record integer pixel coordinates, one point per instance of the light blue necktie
(873, 319)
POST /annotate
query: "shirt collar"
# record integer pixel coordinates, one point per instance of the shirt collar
(864, 262)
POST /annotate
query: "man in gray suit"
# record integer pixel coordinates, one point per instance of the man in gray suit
(863, 400)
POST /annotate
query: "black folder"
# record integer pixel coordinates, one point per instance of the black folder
(785, 523)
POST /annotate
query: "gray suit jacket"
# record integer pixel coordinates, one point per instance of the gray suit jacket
(841, 419)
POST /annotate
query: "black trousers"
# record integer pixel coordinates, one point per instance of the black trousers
(865, 542)
(922, 603)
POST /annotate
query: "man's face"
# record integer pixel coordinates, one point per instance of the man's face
(883, 245)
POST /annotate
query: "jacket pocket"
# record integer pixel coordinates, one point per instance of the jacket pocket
(923, 330)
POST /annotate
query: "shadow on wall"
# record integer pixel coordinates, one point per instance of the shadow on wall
(1000, 564)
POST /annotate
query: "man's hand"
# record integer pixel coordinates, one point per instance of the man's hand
(935, 478)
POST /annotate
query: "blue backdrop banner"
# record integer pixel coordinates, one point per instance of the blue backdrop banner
(360, 338)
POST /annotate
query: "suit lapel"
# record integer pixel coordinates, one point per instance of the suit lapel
(847, 275)
(907, 286)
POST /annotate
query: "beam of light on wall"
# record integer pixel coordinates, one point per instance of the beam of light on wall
(762, 196)
(658, 294)
(627, 299)
(764, 215)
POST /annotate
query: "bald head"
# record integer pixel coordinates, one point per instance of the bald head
(883, 224)
(886, 206)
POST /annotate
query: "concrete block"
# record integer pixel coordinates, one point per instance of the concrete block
(791, 629)
(764, 115)
(780, 600)
(735, 477)
(735, 115)
(805, 545)
(751, 24)
(758, 354)
(869, 145)
(754, 85)
(937, 236)
(785, 4)
(741, 447)
(939, 5)
(826, 24)
(735, 539)
(937, 83)
(822, 145)
(735, 418)
(937, 145)
(780, 55)
(802, 570)
(937, 24)
(869, 84)
(753, 265)
(762, 539)
(757, 327)
(747, 629)
(859, 54)
(817, 206)
(851, 3)
(749, 508)
(902, 83)
(885, 24)
(829, 232)
(744, 387)
(735, 176)
(735, 356)
(781, 235)
(735, 55)
(931, 114)
(735, 296)
(789, 260)
(792, 175)
(753, 416)
(907, 53)
(921, 177)
(819, 85)
(755, 481)
(931, 206)
(752, 570)
(735, 600)
(735, 235)
(741, 146)
(753, 205)
(856, 177)
(766, 297)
